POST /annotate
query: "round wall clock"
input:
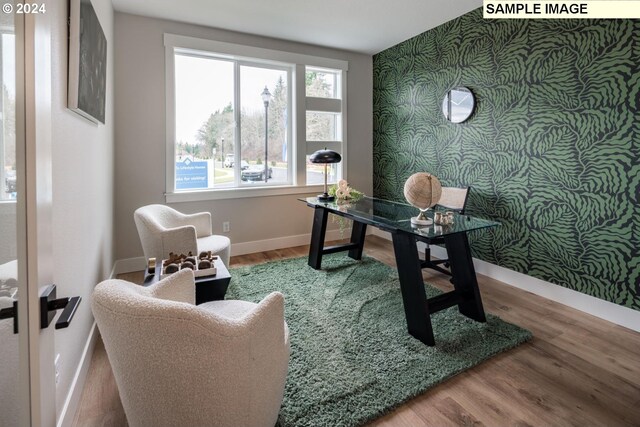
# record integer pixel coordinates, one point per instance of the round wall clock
(458, 103)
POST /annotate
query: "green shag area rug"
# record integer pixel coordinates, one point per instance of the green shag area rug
(352, 359)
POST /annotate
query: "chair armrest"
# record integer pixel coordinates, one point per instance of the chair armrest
(179, 240)
(202, 222)
(179, 287)
(267, 319)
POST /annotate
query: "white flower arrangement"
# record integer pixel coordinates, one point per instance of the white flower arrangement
(342, 191)
(343, 194)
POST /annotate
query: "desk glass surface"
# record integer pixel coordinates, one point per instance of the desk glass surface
(395, 216)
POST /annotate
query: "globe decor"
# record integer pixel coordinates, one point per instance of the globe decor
(423, 191)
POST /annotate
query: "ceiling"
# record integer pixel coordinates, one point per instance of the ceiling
(366, 26)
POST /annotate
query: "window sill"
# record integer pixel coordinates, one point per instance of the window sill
(240, 193)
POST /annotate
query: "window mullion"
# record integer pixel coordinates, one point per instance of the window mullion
(323, 105)
(170, 123)
(300, 118)
(237, 135)
(343, 88)
(291, 142)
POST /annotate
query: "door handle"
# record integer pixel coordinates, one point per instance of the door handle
(49, 304)
(11, 312)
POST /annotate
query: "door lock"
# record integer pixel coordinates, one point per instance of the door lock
(48, 307)
(49, 304)
(11, 312)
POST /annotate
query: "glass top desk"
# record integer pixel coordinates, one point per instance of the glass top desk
(396, 219)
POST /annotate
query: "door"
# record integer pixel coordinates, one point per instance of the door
(27, 374)
(14, 373)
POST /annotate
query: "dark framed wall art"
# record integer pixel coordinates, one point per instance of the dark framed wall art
(87, 62)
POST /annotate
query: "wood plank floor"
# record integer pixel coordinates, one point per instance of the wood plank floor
(578, 370)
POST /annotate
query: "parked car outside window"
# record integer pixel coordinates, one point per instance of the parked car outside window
(10, 182)
(255, 173)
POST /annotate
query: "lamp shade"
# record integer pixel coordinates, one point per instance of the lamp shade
(325, 156)
(266, 96)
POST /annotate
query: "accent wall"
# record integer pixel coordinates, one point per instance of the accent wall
(552, 150)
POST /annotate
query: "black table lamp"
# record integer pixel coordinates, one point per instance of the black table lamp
(325, 157)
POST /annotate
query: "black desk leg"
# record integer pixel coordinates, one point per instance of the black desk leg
(318, 231)
(464, 276)
(358, 232)
(414, 298)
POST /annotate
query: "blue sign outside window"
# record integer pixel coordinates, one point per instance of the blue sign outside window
(190, 175)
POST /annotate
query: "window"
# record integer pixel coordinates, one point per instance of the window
(7, 118)
(237, 127)
(324, 119)
(212, 96)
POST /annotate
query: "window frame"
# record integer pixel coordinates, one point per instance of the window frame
(334, 106)
(298, 145)
(289, 68)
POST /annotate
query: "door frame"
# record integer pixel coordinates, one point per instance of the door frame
(24, 375)
(36, 393)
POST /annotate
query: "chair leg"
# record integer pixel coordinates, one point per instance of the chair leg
(427, 263)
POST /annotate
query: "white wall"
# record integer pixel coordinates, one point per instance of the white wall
(140, 134)
(82, 194)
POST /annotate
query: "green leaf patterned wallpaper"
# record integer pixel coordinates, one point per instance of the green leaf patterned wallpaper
(552, 149)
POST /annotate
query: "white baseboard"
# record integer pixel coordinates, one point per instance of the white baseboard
(70, 407)
(282, 242)
(68, 412)
(129, 265)
(606, 310)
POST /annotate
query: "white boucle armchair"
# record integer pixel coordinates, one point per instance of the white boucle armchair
(163, 229)
(222, 363)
